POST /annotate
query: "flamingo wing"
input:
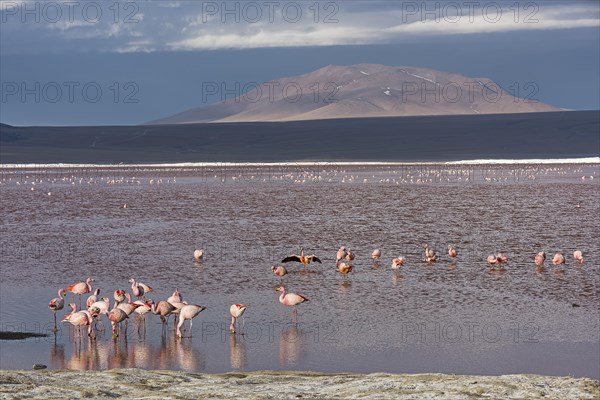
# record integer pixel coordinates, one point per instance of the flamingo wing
(293, 257)
(315, 259)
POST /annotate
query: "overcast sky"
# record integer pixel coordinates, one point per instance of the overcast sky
(92, 62)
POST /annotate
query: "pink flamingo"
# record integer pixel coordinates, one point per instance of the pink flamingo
(137, 289)
(502, 258)
(578, 255)
(116, 316)
(539, 259)
(188, 312)
(80, 288)
(430, 255)
(451, 251)
(163, 309)
(92, 298)
(291, 299)
(142, 309)
(147, 289)
(177, 310)
(376, 254)
(73, 311)
(340, 255)
(345, 268)
(349, 255)
(81, 318)
(128, 307)
(280, 271)
(57, 304)
(198, 254)
(558, 259)
(119, 295)
(102, 305)
(236, 311)
(176, 297)
(492, 260)
(397, 262)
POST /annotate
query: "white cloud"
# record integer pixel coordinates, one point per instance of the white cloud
(373, 27)
(174, 25)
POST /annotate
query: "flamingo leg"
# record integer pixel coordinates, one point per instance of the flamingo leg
(243, 324)
(55, 329)
(191, 323)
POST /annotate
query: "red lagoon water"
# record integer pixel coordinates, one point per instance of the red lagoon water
(60, 226)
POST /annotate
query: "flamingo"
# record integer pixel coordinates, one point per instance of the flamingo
(81, 318)
(57, 304)
(81, 288)
(147, 289)
(116, 316)
(236, 311)
(558, 259)
(376, 254)
(578, 255)
(176, 297)
(92, 298)
(451, 251)
(128, 307)
(73, 311)
(340, 255)
(291, 299)
(502, 259)
(198, 254)
(302, 258)
(345, 268)
(102, 305)
(188, 312)
(177, 310)
(119, 295)
(349, 255)
(539, 259)
(163, 309)
(137, 289)
(397, 262)
(492, 259)
(280, 271)
(142, 309)
(99, 307)
(430, 255)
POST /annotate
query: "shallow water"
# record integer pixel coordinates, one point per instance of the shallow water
(455, 316)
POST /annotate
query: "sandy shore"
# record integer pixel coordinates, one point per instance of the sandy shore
(136, 383)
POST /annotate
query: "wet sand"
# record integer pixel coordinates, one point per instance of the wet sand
(137, 383)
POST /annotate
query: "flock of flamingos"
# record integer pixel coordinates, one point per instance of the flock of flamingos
(123, 306)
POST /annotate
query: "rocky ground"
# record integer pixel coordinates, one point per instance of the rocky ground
(136, 383)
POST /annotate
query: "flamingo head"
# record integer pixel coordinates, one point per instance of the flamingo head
(94, 311)
(149, 302)
(280, 289)
(105, 299)
(131, 280)
(91, 280)
(63, 291)
(273, 268)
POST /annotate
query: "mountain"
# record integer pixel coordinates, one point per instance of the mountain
(362, 91)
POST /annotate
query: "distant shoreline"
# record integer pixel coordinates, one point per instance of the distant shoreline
(137, 383)
(228, 164)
